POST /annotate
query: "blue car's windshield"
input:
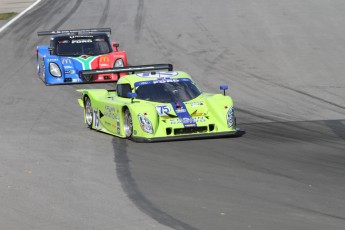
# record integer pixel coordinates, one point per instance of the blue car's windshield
(178, 90)
(82, 46)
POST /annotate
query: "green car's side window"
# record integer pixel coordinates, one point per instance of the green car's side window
(123, 90)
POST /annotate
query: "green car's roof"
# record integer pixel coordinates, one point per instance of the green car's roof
(151, 76)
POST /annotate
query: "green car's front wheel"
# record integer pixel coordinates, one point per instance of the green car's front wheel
(128, 123)
(88, 112)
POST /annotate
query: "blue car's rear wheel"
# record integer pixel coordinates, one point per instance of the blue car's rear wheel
(38, 68)
(128, 123)
(88, 112)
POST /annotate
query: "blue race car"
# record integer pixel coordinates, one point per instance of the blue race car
(73, 51)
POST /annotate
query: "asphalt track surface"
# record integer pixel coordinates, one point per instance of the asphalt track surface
(284, 61)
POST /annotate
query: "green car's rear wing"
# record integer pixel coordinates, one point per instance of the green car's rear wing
(129, 69)
(74, 32)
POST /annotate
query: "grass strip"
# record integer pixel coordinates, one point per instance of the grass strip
(5, 16)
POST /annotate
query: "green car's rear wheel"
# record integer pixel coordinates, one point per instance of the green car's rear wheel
(128, 123)
(88, 112)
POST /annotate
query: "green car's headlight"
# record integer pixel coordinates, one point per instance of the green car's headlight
(54, 69)
(230, 117)
(145, 124)
(119, 63)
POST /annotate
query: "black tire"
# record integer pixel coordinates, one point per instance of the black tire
(88, 111)
(38, 66)
(128, 123)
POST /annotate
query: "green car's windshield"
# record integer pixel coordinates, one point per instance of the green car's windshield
(167, 92)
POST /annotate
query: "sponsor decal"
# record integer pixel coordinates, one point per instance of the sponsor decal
(66, 61)
(194, 104)
(158, 74)
(166, 80)
(104, 59)
(109, 108)
(187, 121)
(110, 112)
(69, 71)
(52, 59)
(163, 80)
(181, 110)
(116, 56)
(63, 42)
(111, 115)
(78, 36)
(82, 41)
(199, 119)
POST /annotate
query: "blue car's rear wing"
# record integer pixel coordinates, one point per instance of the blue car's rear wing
(129, 69)
(74, 32)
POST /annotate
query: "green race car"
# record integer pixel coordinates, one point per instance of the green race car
(152, 106)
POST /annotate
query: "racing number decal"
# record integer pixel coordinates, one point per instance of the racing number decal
(162, 109)
(95, 118)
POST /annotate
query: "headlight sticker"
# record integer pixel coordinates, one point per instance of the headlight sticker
(230, 117)
(145, 124)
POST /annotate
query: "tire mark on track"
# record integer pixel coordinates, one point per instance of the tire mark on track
(104, 14)
(297, 91)
(265, 117)
(338, 128)
(130, 187)
(308, 210)
(210, 37)
(159, 42)
(139, 19)
(68, 15)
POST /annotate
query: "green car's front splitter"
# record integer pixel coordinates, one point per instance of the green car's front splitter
(236, 133)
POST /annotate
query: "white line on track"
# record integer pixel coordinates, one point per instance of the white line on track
(19, 15)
